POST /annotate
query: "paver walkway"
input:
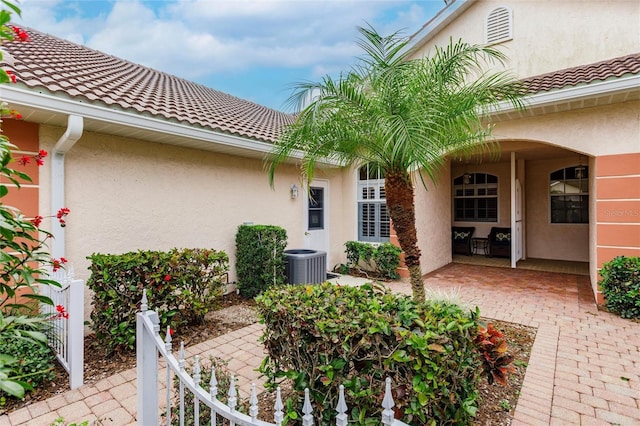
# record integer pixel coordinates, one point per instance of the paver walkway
(584, 367)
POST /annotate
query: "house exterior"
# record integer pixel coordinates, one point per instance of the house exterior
(146, 160)
(568, 179)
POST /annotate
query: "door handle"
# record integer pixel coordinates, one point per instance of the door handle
(306, 233)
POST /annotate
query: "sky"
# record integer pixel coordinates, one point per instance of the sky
(253, 49)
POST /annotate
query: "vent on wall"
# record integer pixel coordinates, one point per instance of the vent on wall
(499, 25)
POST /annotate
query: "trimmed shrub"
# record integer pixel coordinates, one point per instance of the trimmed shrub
(620, 285)
(323, 336)
(182, 286)
(260, 259)
(382, 260)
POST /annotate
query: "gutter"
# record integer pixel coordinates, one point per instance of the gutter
(74, 130)
(43, 101)
(573, 94)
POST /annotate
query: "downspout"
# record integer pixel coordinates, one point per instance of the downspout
(64, 144)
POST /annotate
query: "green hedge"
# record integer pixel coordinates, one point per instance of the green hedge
(326, 335)
(620, 285)
(260, 259)
(182, 286)
(383, 260)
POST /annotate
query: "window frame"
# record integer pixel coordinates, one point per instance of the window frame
(375, 198)
(476, 196)
(583, 193)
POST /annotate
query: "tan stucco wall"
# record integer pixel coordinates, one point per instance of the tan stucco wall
(546, 240)
(128, 195)
(433, 221)
(605, 130)
(549, 35)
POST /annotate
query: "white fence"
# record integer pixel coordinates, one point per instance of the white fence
(149, 344)
(67, 334)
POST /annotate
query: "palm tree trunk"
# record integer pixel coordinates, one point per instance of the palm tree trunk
(401, 207)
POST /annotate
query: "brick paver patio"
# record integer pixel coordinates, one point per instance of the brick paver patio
(584, 367)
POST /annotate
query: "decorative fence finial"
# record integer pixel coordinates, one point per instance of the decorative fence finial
(144, 302)
(278, 415)
(232, 399)
(342, 419)
(253, 403)
(213, 383)
(307, 409)
(167, 340)
(388, 414)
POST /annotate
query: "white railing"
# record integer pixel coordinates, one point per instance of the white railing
(66, 337)
(149, 344)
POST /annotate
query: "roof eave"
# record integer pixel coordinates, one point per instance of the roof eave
(573, 94)
(175, 133)
(436, 24)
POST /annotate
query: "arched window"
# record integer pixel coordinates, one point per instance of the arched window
(373, 219)
(499, 25)
(475, 198)
(569, 195)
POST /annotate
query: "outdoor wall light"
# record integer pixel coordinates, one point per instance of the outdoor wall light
(579, 172)
(466, 178)
(294, 191)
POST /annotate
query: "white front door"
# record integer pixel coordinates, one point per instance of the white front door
(316, 216)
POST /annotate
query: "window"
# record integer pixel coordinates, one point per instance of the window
(569, 195)
(499, 26)
(373, 219)
(316, 208)
(475, 198)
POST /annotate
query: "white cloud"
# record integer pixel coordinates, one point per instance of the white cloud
(198, 39)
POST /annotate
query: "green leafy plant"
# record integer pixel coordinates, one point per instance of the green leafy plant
(620, 285)
(496, 360)
(182, 286)
(326, 335)
(381, 261)
(260, 259)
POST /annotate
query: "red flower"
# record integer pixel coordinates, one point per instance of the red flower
(20, 33)
(171, 331)
(63, 212)
(40, 157)
(167, 277)
(57, 263)
(37, 220)
(24, 160)
(62, 313)
(12, 76)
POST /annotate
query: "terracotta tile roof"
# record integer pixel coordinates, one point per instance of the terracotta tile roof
(63, 67)
(584, 74)
(69, 69)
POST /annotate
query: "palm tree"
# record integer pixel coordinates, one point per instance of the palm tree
(405, 116)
